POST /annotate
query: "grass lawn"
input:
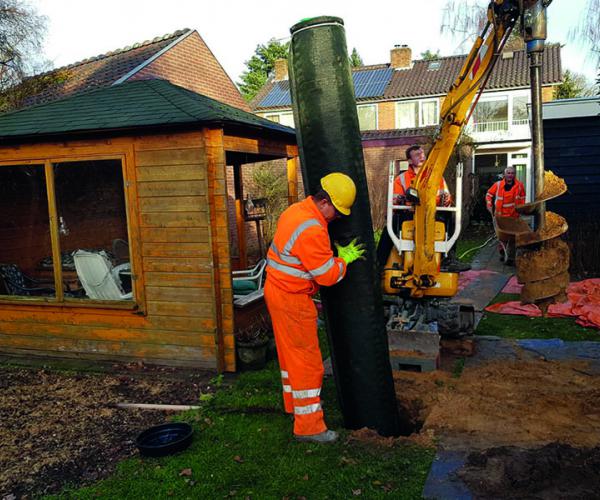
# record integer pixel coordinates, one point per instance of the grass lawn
(523, 327)
(471, 238)
(243, 448)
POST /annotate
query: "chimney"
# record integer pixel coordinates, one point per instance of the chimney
(400, 57)
(280, 70)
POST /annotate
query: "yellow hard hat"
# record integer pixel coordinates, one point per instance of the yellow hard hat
(341, 189)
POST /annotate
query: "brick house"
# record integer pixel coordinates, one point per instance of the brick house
(399, 102)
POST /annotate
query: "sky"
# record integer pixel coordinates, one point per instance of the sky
(78, 29)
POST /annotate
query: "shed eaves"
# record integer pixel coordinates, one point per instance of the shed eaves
(135, 104)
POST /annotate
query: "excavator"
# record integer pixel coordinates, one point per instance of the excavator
(418, 294)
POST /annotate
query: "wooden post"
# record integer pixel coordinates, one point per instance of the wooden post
(292, 178)
(240, 222)
(54, 234)
(215, 163)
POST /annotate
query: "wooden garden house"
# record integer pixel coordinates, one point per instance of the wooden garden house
(114, 241)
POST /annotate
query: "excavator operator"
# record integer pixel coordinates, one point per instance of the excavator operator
(299, 260)
(416, 158)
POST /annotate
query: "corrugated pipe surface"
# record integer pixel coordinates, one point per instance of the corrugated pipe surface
(329, 139)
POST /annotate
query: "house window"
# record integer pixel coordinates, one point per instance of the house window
(407, 114)
(491, 115)
(75, 211)
(367, 116)
(413, 114)
(429, 113)
(286, 118)
(520, 113)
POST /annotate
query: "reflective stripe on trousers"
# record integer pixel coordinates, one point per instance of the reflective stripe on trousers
(294, 318)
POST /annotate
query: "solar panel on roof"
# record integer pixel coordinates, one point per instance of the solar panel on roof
(367, 83)
(278, 96)
(371, 83)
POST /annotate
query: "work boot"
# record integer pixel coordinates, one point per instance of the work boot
(327, 436)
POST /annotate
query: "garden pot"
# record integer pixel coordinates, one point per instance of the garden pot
(252, 355)
(165, 439)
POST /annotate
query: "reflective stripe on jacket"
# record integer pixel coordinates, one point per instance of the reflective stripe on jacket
(405, 180)
(300, 257)
(506, 201)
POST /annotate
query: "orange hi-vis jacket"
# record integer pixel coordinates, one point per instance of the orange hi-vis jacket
(405, 180)
(300, 257)
(505, 200)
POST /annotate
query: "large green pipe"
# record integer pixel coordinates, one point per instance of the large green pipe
(329, 139)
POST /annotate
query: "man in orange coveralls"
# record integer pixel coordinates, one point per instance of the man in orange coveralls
(506, 195)
(502, 199)
(299, 260)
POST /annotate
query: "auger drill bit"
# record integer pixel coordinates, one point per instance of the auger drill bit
(543, 257)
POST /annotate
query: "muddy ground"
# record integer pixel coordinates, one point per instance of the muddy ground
(533, 426)
(61, 427)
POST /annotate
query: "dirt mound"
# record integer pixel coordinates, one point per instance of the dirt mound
(506, 403)
(551, 472)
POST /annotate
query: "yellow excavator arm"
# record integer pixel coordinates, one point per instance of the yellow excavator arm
(501, 17)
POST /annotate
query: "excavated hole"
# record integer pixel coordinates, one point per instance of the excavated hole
(552, 471)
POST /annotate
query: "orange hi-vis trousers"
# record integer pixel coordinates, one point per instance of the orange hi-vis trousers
(294, 318)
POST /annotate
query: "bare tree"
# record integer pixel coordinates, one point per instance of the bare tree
(587, 31)
(22, 32)
(464, 19)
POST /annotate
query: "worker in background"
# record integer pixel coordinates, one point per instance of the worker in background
(416, 159)
(505, 195)
(502, 200)
(299, 260)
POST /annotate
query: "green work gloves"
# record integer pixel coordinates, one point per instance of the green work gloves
(351, 251)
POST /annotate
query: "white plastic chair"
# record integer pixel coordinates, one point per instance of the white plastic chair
(255, 274)
(99, 279)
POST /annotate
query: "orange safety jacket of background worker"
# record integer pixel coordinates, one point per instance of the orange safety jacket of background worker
(405, 180)
(505, 200)
(299, 260)
(300, 257)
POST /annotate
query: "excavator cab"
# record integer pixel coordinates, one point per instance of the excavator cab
(397, 276)
(424, 303)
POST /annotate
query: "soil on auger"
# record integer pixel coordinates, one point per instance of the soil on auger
(553, 186)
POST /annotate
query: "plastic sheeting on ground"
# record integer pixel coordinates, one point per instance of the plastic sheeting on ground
(468, 277)
(583, 303)
(513, 286)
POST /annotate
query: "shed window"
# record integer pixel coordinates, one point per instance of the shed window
(24, 232)
(74, 211)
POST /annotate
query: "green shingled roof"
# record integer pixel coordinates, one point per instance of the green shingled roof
(134, 104)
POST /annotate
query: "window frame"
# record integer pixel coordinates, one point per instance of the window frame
(397, 113)
(437, 112)
(369, 105)
(418, 103)
(278, 114)
(136, 303)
